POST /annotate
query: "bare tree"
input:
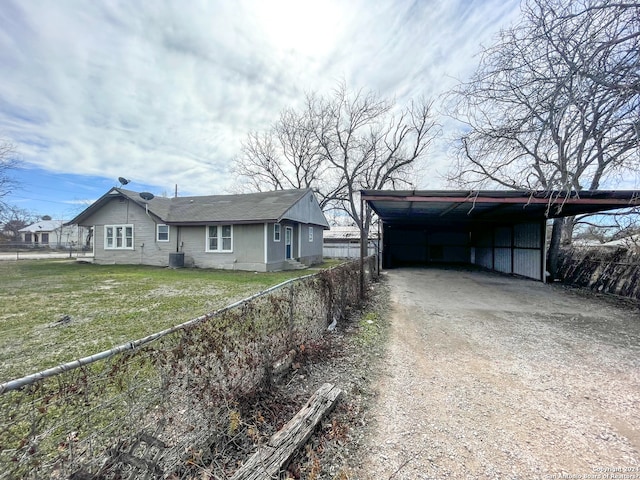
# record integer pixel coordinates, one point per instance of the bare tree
(8, 163)
(338, 145)
(551, 105)
(285, 157)
(13, 219)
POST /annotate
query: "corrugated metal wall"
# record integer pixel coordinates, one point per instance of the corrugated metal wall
(421, 245)
(502, 240)
(517, 249)
(483, 250)
(529, 250)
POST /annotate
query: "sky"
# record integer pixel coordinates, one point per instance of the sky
(163, 93)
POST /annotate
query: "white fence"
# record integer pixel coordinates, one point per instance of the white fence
(345, 250)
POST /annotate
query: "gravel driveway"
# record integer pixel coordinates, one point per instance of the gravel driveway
(488, 376)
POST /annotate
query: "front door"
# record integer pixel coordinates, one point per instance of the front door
(288, 238)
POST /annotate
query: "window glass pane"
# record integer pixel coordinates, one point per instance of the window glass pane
(118, 237)
(213, 243)
(276, 232)
(226, 244)
(213, 231)
(163, 232)
(226, 231)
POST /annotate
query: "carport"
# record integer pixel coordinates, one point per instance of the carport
(499, 230)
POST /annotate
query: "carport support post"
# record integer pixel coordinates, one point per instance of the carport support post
(363, 243)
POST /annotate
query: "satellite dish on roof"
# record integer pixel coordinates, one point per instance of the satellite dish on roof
(123, 181)
(146, 195)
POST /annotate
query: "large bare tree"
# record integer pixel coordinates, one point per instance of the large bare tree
(338, 145)
(554, 103)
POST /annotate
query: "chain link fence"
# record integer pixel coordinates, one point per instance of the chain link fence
(151, 408)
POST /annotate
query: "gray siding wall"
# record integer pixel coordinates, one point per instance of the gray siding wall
(146, 249)
(247, 254)
(275, 250)
(306, 209)
(310, 252)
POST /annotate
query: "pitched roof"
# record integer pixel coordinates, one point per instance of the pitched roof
(242, 208)
(42, 226)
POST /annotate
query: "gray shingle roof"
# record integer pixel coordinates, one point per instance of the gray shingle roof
(252, 207)
(243, 208)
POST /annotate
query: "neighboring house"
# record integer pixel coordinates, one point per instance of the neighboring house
(344, 242)
(258, 231)
(52, 233)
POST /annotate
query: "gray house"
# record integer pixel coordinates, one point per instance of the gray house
(264, 231)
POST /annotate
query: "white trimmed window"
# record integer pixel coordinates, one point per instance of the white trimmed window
(276, 232)
(219, 238)
(118, 237)
(162, 233)
(310, 234)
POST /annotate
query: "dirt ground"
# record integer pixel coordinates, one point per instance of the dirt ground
(488, 376)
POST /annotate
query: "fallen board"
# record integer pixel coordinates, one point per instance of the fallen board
(269, 460)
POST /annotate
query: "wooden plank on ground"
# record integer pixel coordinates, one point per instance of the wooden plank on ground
(269, 460)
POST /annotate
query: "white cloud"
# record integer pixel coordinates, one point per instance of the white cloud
(164, 92)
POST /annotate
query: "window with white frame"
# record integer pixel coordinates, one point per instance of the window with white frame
(276, 232)
(118, 237)
(219, 238)
(310, 234)
(163, 233)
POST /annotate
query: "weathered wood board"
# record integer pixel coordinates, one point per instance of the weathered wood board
(269, 460)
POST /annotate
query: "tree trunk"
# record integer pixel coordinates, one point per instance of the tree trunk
(567, 230)
(554, 248)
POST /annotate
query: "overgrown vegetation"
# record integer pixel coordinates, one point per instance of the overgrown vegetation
(56, 311)
(175, 407)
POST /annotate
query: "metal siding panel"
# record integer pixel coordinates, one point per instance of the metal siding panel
(503, 237)
(484, 257)
(456, 254)
(449, 238)
(503, 259)
(406, 245)
(527, 263)
(527, 235)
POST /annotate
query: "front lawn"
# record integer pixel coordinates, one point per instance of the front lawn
(107, 306)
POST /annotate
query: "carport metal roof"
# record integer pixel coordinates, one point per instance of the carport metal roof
(463, 207)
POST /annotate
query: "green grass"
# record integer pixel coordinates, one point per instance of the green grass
(108, 306)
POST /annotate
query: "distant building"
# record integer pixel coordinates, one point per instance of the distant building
(53, 234)
(344, 242)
